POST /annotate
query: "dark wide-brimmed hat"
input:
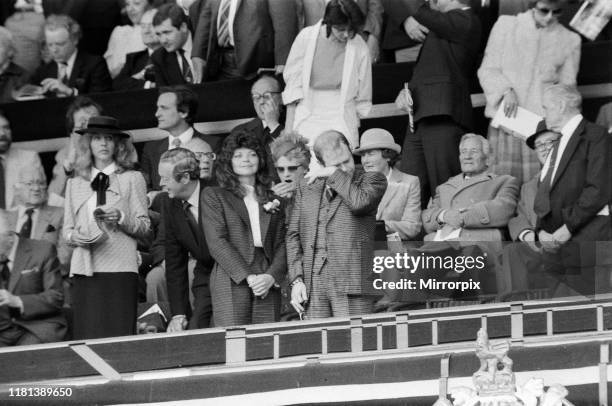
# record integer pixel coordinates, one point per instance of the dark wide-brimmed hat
(103, 125)
(540, 129)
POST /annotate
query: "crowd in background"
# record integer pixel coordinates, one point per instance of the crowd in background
(282, 219)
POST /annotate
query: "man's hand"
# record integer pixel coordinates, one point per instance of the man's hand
(529, 238)
(56, 86)
(284, 189)
(453, 218)
(199, 65)
(510, 103)
(373, 47)
(414, 30)
(271, 112)
(178, 323)
(562, 235)
(261, 284)
(298, 296)
(319, 172)
(140, 75)
(548, 242)
(8, 299)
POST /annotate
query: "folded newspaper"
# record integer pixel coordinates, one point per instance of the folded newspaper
(592, 17)
(522, 125)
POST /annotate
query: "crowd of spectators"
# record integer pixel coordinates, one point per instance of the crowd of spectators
(283, 218)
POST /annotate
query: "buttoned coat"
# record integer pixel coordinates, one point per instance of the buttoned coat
(487, 201)
(350, 225)
(400, 207)
(126, 192)
(525, 218)
(35, 278)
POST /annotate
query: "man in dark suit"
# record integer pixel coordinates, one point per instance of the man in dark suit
(573, 196)
(71, 72)
(176, 109)
(330, 240)
(171, 62)
(439, 86)
(138, 71)
(31, 294)
(234, 38)
(179, 171)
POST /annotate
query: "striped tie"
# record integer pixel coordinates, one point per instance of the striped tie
(223, 28)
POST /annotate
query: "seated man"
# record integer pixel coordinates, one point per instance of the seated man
(30, 290)
(467, 215)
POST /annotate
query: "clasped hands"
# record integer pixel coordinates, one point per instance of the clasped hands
(56, 86)
(552, 242)
(260, 284)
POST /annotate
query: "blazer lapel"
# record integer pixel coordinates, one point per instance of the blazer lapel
(21, 256)
(76, 70)
(570, 148)
(264, 223)
(174, 70)
(238, 204)
(461, 185)
(44, 219)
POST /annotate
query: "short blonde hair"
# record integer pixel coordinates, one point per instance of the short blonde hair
(292, 146)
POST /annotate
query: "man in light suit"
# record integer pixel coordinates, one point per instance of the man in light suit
(30, 290)
(330, 259)
(12, 162)
(573, 196)
(234, 38)
(440, 86)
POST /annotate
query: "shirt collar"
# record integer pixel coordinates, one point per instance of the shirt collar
(22, 209)
(389, 175)
(185, 137)
(70, 61)
(110, 169)
(194, 199)
(569, 127)
(187, 46)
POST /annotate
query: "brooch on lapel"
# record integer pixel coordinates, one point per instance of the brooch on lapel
(272, 207)
(27, 271)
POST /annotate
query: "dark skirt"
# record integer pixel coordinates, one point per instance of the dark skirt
(104, 305)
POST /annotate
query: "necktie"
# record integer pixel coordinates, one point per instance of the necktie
(26, 228)
(193, 224)
(223, 37)
(2, 186)
(186, 71)
(541, 205)
(5, 273)
(176, 143)
(99, 185)
(62, 72)
(330, 193)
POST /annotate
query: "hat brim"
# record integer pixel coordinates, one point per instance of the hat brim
(102, 131)
(393, 147)
(530, 141)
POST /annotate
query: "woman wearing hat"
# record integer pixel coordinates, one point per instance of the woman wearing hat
(105, 210)
(400, 207)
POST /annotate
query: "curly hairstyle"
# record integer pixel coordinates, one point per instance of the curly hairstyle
(124, 151)
(224, 172)
(343, 12)
(293, 146)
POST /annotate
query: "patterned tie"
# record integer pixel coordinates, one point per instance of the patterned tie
(62, 72)
(223, 28)
(176, 143)
(541, 205)
(186, 71)
(2, 185)
(26, 228)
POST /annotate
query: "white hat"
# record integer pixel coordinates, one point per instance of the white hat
(377, 138)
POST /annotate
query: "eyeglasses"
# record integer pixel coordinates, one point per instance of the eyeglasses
(267, 96)
(544, 145)
(290, 169)
(32, 185)
(545, 11)
(208, 155)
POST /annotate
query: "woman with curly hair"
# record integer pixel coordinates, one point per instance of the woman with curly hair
(245, 232)
(105, 211)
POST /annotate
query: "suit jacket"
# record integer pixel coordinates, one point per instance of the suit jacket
(488, 202)
(179, 242)
(167, 69)
(400, 207)
(440, 83)
(581, 187)
(194, 13)
(263, 33)
(350, 229)
(311, 11)
(134, 63)
(48, 227)
(117, 253)
(89, 74)
(228, 232)
(35, 278)
(525, 218)
(153, 150)
(14, 161)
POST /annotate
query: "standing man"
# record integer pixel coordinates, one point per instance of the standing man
(574, 193)
(176, 109)
(439, 85)
(330, 241)
(234, 38)
(179, 171)
(172, 61)
(71, 71)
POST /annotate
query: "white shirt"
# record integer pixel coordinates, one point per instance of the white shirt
(252, 205)
(269, 127)
(389, 175)
(187, 46)
(22, 218)
(69, 66)
(185, 138)
(566, 133)
(230, 22)
(194, 201)
(93, 199)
